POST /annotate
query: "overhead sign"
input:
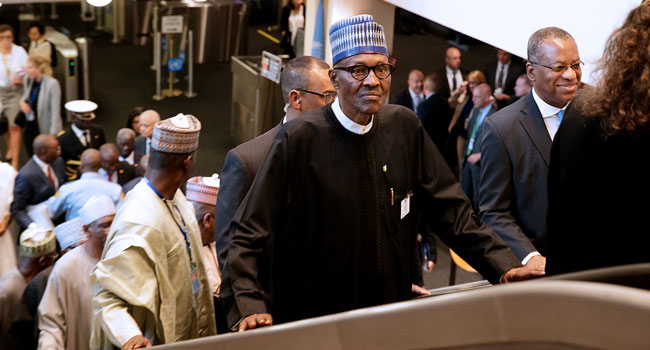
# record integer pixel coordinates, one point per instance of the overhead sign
(172, 24)
(271, 66)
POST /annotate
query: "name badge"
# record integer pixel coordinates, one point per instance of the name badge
(405, 207)
(195, 281)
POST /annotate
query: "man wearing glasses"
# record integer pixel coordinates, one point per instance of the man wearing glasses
(516, 147)
(340, 195)
(305, 86)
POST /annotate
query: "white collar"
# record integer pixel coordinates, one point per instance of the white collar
(41, 164)
(347, 123)
(544, 108)
(284, 120)
(130, 158)
(451, 71)
(77, 131)
(486, 108)
(92, 174)
(413, 94)
(505, 65)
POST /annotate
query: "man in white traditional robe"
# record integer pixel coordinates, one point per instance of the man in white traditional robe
(66, 308)
(37, 252)
(150, 286)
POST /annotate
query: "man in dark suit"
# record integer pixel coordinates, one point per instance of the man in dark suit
(148, 119)
(435, 115)
(516, 145)
(452, 75)
(39, 178)
(305, 86)
(483, 108)
(113, 170)
(125, 142)
(79, 136)
(502, 75)
(412, 96)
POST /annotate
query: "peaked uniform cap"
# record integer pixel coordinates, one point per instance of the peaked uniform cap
(82, 109)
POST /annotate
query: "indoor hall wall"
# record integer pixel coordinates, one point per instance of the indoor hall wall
(509, 23)
(334, 10)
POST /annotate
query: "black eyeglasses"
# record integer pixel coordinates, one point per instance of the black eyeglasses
(328, 97)
(361, 71)
(561, 69)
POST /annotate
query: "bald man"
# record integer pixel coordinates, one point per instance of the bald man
(413, 95)
(148, 119)
(452, 74)
(39, 178)
(113, 170)
(72, 196)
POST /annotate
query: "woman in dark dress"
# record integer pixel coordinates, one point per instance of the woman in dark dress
(291, 20)
(599, 180)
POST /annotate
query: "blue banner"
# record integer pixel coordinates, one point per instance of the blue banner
(318, 47)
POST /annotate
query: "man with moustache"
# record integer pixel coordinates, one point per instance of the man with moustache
(516, 147)
(340, 195)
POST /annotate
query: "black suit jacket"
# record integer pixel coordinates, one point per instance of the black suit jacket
(239, 170)
(598, 196)
(445, 89)
(515, 156)
(237, 175)
(141, 145)
(514, 71)
(125, 173)
(403, 98)
(33, 187)
(435, 115)
(71, 148)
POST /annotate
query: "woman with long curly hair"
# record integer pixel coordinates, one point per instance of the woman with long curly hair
(599, 180)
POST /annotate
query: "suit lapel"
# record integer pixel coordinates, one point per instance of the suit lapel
(34, 168)
(533, 123)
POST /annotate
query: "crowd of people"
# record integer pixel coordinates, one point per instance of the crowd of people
(327, 211)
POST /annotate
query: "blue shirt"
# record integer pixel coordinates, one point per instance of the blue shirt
(73, 195)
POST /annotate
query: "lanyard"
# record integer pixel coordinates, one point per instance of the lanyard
(183, 229)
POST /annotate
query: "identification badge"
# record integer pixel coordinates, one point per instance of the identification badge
(405, 206)
(195, 281)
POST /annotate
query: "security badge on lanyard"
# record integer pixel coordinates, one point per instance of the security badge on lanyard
(184, 231)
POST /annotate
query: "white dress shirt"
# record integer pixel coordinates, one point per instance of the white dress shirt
(506, 66)
(104, 175)
(549, 113)
(129, 159)
(12, 65)
(413, 96)
(347, 123)
(451, 76)
(82, 135)
(45, 167)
